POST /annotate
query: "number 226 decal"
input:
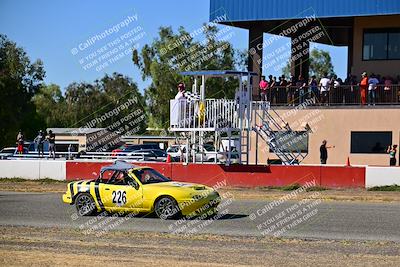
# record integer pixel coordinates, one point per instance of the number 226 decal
(119, 197)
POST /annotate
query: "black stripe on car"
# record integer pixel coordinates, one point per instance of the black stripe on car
(71, 188)
(97, 192)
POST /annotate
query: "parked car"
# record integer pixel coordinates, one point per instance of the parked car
(148, 155)
(203, 154)
(10, 152)
(177, 152)
(123, 150)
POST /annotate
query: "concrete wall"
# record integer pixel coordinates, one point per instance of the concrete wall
(379, 176)
(33, 169)
(383, 67)
(335, 125)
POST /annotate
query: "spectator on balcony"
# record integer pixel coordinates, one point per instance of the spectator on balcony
(314, 88)
(349, 95)
(263, 89)
(392, 154)
(301, 85)
(290, 87)
(387, 90)
(282, 89)
(324, 85)
(335, 93)
(363, 88)
(274, 90)
(181, 92)
(372, 85)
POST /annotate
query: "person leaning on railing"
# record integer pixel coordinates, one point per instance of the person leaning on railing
(263, 85)
(387, 90)
(289, 91)
(363, 88)
(273, 90)
(349, 92)
(324, 85)
(314, 89)
(282, 90)
(372, 85)
(301, 87)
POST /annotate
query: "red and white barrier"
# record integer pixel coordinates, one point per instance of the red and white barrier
(211, 174)
(243, 176)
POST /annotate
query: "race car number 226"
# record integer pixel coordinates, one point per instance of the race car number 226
(119, 197)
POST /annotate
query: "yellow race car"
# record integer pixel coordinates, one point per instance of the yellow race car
(123, 187)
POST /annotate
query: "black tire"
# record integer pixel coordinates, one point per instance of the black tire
(85, 205)
(166, 208)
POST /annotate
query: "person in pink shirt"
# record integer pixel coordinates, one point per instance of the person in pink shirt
(263, 89)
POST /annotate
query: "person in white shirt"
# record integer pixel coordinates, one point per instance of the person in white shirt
(181, 92)
(324, 85)
(178, 107)
(372, 85)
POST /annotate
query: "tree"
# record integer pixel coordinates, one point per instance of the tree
(320, 63)
(169, 54)
(50, 103)
(19, 81)
(85, 102)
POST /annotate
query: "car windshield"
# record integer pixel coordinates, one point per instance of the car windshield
(150, 176)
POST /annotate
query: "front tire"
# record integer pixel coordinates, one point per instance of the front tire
(85, 205)
(166, 208)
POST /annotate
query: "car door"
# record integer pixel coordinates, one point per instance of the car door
(120, 193)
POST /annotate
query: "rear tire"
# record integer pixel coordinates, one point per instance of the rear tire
(85, 205)
(166, 208)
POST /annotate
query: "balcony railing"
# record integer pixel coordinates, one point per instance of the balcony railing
(341, 95)
(211, 114)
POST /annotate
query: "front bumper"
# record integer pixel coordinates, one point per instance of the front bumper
(67, 198)
(200, 206)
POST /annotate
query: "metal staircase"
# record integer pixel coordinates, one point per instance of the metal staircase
(281, 139)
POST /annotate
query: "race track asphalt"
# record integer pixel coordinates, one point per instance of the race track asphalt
(310, 219)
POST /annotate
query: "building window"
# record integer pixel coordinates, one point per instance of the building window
(381, 44)
(292, 142)
(370, 142)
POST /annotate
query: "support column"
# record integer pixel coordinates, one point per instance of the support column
(350, 49)
(255, 57)
(300, 58)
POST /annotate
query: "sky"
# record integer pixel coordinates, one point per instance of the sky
(57, 32)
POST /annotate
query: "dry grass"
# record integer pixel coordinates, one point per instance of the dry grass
(28, 246)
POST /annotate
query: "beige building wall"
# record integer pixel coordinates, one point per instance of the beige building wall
(335, 125)
(81, 139)
(383, 67)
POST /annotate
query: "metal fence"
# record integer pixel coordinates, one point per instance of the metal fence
(341, 95)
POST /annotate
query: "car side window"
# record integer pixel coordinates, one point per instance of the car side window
(118, 178)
